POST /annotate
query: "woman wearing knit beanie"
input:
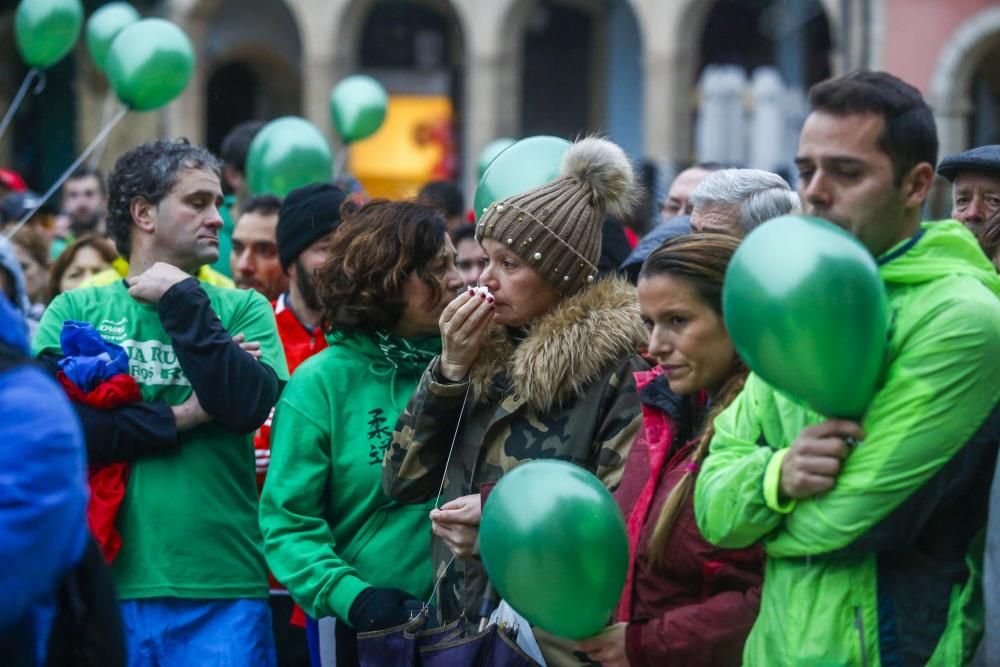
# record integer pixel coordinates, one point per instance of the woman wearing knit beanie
(539, 367)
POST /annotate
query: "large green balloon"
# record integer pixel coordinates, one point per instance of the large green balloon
(149, 63)
(524, 165)
(104, 25)
(553, 542)
(490, 153)
(357, 106)
(285, 154)
(46, 30)
(807, 311)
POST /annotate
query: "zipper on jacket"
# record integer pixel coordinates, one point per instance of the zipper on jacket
(859, 623)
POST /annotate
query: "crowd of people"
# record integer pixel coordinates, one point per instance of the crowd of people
(291, 412)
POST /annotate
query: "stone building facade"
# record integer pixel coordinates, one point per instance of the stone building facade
(628, 68)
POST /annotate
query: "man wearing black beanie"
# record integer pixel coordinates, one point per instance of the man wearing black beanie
(306, 220)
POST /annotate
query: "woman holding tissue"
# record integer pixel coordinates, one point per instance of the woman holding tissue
(540, 366)
(331, 536)
(686, 602)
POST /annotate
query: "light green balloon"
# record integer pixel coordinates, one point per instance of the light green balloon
(807, 311)
(285, 154)
(488, 154)
(46, 30)
(525, 165)
(357, 106)
(104, 25)
(149, 63)
(554, 545)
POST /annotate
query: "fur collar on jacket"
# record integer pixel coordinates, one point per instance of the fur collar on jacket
(567, 348)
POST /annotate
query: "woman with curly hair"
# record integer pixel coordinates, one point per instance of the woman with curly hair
(340, 545)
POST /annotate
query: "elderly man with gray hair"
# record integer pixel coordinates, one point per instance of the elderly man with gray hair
(735, 201)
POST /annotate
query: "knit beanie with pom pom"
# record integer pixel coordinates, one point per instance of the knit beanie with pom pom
(556, 228)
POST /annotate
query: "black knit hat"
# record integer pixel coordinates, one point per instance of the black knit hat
(306, 214)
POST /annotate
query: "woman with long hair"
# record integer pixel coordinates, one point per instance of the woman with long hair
(686, 602)
(331, 536)
(87, 256)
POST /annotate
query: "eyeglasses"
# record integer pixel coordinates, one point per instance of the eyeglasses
(469, 264)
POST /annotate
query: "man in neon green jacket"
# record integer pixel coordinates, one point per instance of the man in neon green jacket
(874, 553)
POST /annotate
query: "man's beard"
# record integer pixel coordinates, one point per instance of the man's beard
(305, 282)
(88, 225)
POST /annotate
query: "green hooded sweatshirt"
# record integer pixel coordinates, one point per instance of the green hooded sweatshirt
(329, 530)
(884, 568)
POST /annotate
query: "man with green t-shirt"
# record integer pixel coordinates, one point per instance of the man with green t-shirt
(190, 573)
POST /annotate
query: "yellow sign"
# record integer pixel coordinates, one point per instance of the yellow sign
(414, 145)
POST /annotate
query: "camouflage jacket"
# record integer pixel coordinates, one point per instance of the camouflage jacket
(566, 391)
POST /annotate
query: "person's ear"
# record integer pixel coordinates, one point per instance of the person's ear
(917, 184)
(143, 214)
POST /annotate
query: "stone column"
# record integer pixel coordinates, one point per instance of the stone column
(492, 80)
(185, 116)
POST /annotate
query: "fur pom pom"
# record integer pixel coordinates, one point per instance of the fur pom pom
(606, 170)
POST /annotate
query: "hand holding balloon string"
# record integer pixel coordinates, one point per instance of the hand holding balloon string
(457, 524)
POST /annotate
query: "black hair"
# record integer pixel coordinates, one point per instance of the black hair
(86, 171)
(909, 137)
(150, 171)
(236, 144)
(262, 205)
(443, 195)
(463, 232)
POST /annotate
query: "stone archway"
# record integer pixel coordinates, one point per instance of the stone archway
(951, 84)
(252, 56)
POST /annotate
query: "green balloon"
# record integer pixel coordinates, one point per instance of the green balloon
(357, 106)
(104, 25)
(524, 165)
(46, 30)
(554, 545)
(806, 309)
(488, 154)
(149, 63)
(285, 154)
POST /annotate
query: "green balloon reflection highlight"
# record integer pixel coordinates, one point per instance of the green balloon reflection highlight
(45, 30)
(554, 545)
(288, 153)
(149, 63)
(357, 107)
(490, 153)
(806, 309)
(104, 25)
(524, 165)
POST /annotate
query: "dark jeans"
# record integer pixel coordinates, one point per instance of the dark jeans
(289, 640)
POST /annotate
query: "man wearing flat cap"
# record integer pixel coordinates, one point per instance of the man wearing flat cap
(975, 179)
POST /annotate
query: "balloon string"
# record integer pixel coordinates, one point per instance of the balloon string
(451, 449)
(33, 73)
(101, 136)
(338, 169)
(106, 111)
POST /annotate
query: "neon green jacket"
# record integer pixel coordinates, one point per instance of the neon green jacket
(885, 566)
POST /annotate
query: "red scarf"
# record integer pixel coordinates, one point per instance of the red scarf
(107, 483)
